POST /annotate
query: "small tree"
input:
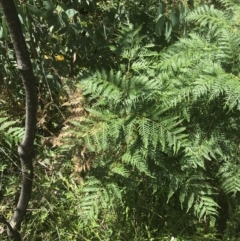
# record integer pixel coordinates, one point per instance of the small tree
(25, 148)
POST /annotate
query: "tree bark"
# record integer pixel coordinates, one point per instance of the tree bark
(26, 147)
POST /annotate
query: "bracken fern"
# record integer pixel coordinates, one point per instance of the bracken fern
(168, 122)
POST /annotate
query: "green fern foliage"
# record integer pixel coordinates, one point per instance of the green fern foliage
(206, 207)
(10, 134)
(167, 122)
(209, 16)
(95, 197)
(230, 174)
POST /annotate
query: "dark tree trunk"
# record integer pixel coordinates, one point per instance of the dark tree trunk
(25, 148)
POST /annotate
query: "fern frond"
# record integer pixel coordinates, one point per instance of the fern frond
(230, 177)
(187, 53)
(136, 160)
(101, 84)
(120, 92)
(200, 150)
(167, 132)
(118, 168)
(9, 133)
(205, 207)
(228, 4)
(96, 197)
(208, 16)
(228, 43)
(195, 193)
(219, 84)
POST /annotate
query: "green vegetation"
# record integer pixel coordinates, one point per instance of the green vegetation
(138, 120)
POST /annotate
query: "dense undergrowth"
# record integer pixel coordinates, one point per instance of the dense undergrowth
(143, 148)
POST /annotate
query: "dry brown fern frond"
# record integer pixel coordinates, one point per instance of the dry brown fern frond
(75, 102)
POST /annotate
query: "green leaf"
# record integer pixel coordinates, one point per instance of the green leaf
(48, 5)
(174, 20)
(37, 12)
(1, 33)
(168, 29)
(5, 28)
(190, 201)
(159, 25)
(71, 12)
(20, 18)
